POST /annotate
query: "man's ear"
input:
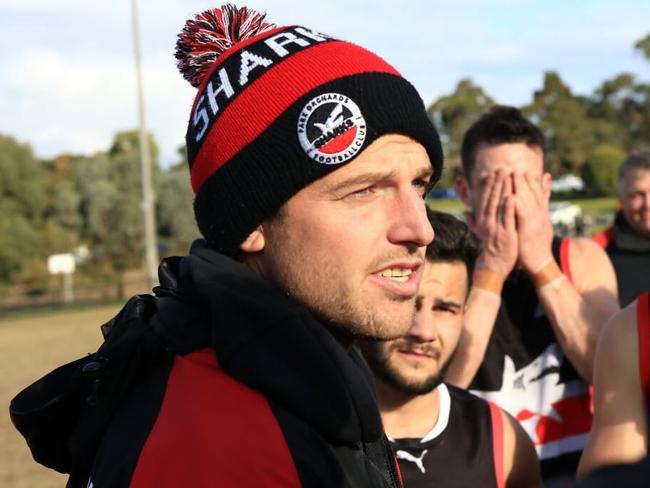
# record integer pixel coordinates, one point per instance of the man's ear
(255, 241)
(462, 188)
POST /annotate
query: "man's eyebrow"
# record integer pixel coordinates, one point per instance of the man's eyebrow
(447, 303)
(372, 177)
(425, 172)
(363, 178)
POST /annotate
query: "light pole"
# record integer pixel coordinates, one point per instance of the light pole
(148, 197)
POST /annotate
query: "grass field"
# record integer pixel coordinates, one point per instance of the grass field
(596, 206)
(31, 346)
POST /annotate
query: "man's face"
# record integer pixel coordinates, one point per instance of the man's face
(508, 158)
(416, 363)
(350, 246)
(635, 199)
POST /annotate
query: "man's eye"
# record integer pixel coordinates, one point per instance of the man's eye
(422, 185)
(360, 193)
(446, 310)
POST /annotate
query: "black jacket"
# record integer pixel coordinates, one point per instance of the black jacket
(629, 252)
(220, 380)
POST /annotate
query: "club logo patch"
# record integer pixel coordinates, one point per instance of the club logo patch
(331, 128)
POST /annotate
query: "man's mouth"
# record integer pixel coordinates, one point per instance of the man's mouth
(399, 278)
(421, 352)
(397, 274)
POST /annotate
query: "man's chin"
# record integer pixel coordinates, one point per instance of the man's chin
(367, 323)
(385, 331)
(642, 228)
(372, 333)
(422, 387)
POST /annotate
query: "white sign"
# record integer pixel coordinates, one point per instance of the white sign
(61, 263)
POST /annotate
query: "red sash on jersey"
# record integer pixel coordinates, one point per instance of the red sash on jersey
(643, 328)
(604, 238)
(565, 266)
(497, 443)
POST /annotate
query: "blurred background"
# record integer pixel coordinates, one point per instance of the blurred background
(72, 232)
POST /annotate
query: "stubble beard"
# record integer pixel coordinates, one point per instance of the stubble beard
(379, 361)
(641, 224)
(341, 308)
(337, 304)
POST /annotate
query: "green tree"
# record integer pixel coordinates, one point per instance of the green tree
(110, 191)
(22, 203)
(620, 112)
(641, 130)
(643, 45)
(600, 170)
(22, 178)
(563, 119)
(62, 213)
(19, 243)
(452, 115)
(174, 214)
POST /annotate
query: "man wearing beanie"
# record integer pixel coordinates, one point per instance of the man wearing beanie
(309, 158)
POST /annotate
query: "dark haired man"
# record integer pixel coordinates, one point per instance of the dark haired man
(627, 242)
(310, 158)
(444, 436)
(529, 348)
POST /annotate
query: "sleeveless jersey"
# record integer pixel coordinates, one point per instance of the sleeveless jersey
(643, 333)
(526, 373)
(464, 448)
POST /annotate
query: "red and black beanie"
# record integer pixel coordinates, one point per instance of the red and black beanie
(277, 108)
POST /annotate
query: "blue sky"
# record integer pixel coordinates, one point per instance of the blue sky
(68, 81)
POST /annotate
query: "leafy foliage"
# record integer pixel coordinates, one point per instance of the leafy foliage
(600, 170)
(564, 122)
(643, 45)
(49, 207)
(453, 114)
(22, 204)
(174, 214)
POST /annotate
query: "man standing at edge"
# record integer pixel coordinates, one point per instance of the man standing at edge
(621, 390)
(444, 436)
(627, 242)
(310, 159)
(538, 302)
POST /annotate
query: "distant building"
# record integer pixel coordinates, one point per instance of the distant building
(566, 218)
(567, 183)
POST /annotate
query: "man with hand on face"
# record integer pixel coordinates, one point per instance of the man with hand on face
(538, 302)
(444, 436)
(627, 242)
(310, 158)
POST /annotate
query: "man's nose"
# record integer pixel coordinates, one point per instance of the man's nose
(410, 222)
(424, 326)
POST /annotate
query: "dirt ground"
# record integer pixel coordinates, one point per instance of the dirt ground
(29, 348)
